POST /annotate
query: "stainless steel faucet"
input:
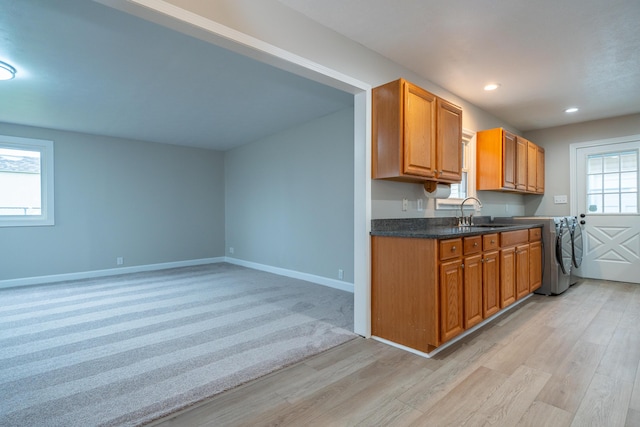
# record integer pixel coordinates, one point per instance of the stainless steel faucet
(467, 221)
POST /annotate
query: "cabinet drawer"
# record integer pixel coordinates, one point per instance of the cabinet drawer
(472, 244)
(490, 241)
(451, 248)
(535, 234)
(510, 238)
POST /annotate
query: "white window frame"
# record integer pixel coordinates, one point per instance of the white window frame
(46, 182)
(469, 147)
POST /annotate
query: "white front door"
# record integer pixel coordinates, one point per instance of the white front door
(606, 201)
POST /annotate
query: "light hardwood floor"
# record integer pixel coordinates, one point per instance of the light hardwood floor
(569, 360)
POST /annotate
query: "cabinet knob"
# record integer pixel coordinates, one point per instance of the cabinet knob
(453, 248)
(475, 244)
(492, 241)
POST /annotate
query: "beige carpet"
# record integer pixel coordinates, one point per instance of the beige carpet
(126, 350)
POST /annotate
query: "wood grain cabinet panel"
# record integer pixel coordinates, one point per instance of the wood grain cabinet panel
(532, 167)
(540, 171)
(490, 283)
(535, 265)
(507, 276)
(522, 271)
(416, 136)
(451, 299)
(449, 142)
(424, 292)
(473, 307)
(508, 162)
(404, 291)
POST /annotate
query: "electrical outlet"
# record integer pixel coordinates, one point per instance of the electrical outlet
(419, 205)
(231, 250)
(405, 204)
(119, 260)
(340, 274)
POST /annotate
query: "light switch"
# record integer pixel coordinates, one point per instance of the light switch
(560, 200)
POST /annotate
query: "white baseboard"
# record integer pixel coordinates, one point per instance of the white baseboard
(11, 283)
(457, 338)
(38, 280)
(337, 284)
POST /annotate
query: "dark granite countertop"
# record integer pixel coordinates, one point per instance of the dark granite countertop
(440, 228)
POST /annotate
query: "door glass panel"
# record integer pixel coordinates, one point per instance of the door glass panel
(629, 162)
(629, 181)
(611, 163)
(629, 202)
(594, 203)
(612, 182)
(594, 164)
(594, 184)
(611, 203)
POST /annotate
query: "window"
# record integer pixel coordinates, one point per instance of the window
(612, 183)
(26, 182)
(466, 188)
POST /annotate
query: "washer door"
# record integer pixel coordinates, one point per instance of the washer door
(576, 244)
(563, 246)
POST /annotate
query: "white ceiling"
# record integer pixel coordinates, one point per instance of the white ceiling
(547, 55)
(86, 67)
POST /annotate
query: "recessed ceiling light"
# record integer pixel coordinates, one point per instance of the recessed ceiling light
(7, 72)
(571, 110)
(492, 86)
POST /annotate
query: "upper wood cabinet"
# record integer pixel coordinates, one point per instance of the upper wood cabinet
(540, 171)
(416, 135)
(507, 162)
(521, 163)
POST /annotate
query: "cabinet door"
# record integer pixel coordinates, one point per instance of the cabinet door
(507, 276)
(472, 290)
(419, 132)
(451, 303)
(449, 145)
(521, 163)
(522, 271)
(490, 284)
(535, 265)
(540, 171)
(509, 160)
(532, 167)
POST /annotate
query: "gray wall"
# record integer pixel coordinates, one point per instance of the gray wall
(149, 203)
(556, 142)
(289, 198)
(272, 22)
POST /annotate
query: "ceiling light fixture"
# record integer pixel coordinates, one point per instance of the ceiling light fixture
(7, 72)
(492, 86)
(571, 110)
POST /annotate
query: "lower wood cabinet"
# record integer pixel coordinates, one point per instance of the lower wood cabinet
(472, 281)
(425, 292)
(522, 271)
(491, 282)
(451, 299)
(507, 276)
(535, 265)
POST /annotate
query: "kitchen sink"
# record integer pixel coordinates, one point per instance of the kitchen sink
(492, 225)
